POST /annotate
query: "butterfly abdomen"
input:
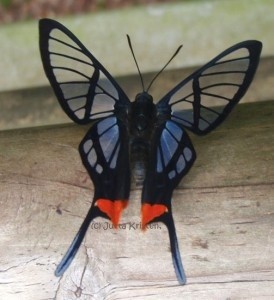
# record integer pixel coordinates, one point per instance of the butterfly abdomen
(139, 153)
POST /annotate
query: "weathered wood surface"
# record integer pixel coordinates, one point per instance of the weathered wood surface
(223, 210)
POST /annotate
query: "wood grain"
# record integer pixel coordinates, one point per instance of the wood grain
(223, 210)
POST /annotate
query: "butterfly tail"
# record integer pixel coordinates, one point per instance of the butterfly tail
(157, 213)
(174, 247)
(73, 248)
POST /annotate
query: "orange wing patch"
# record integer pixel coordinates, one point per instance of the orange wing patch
(150, 212)
(112, 208)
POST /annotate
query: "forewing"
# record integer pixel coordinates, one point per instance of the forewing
(84, 88)
(205, 98)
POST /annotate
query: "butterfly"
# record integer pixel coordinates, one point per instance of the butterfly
(153, 134)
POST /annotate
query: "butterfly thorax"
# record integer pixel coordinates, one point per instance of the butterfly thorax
(142, 115)
(142, 118)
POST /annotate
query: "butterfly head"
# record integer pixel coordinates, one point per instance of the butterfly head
(143, 97)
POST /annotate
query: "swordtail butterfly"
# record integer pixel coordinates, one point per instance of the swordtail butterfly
(123, 129)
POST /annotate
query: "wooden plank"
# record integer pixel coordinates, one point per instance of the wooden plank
(223, 209)
(204, 27)
(38, 106)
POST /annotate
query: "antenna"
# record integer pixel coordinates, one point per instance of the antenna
(176, 52)
(131, 49)
(141, 77)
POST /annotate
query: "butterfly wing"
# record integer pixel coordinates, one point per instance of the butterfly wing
(84, 88)
(200, 103)
(104, 152)
(172, 155)
(205, 98)
(86, 92)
